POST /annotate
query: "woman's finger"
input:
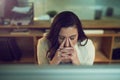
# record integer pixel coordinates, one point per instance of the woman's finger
(62, 44)
(71, 44)
(68, 49)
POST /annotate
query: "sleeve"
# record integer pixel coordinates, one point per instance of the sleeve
(90, 52)
(41, 51)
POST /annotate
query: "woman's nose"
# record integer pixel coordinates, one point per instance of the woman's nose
(67, 43)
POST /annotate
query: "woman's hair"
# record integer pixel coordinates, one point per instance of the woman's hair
(63, 20)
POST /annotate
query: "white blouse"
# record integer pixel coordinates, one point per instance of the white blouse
(86, 54)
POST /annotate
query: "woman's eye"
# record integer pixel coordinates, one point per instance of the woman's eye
(72, 38)
(61, 38)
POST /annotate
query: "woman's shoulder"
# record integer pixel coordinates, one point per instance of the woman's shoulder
(90, 41)
(43, 40)
(89, 46)
(87, 42)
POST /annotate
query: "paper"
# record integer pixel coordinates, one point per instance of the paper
(23, 10)
(94, 31)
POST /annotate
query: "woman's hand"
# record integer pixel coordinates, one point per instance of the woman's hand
(66, 54)
(74, 56)
(58, 58)
(70, 54)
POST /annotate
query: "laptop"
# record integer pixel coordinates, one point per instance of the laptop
(59, 72)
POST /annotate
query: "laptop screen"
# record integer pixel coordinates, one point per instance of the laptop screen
(61, 72)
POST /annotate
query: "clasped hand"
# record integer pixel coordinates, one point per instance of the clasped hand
(66, 53)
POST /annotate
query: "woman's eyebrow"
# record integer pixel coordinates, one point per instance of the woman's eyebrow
(73, 35)
(61, 36)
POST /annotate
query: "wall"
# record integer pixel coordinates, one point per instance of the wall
(115, 4)
(85, 9)
(2, 8)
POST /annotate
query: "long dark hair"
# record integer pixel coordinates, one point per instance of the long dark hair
(63, 19)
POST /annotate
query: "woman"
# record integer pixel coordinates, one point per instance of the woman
(66, 43)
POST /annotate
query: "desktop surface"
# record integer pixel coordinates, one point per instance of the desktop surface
(61, 72)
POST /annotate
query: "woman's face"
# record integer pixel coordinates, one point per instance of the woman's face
(69, 33)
